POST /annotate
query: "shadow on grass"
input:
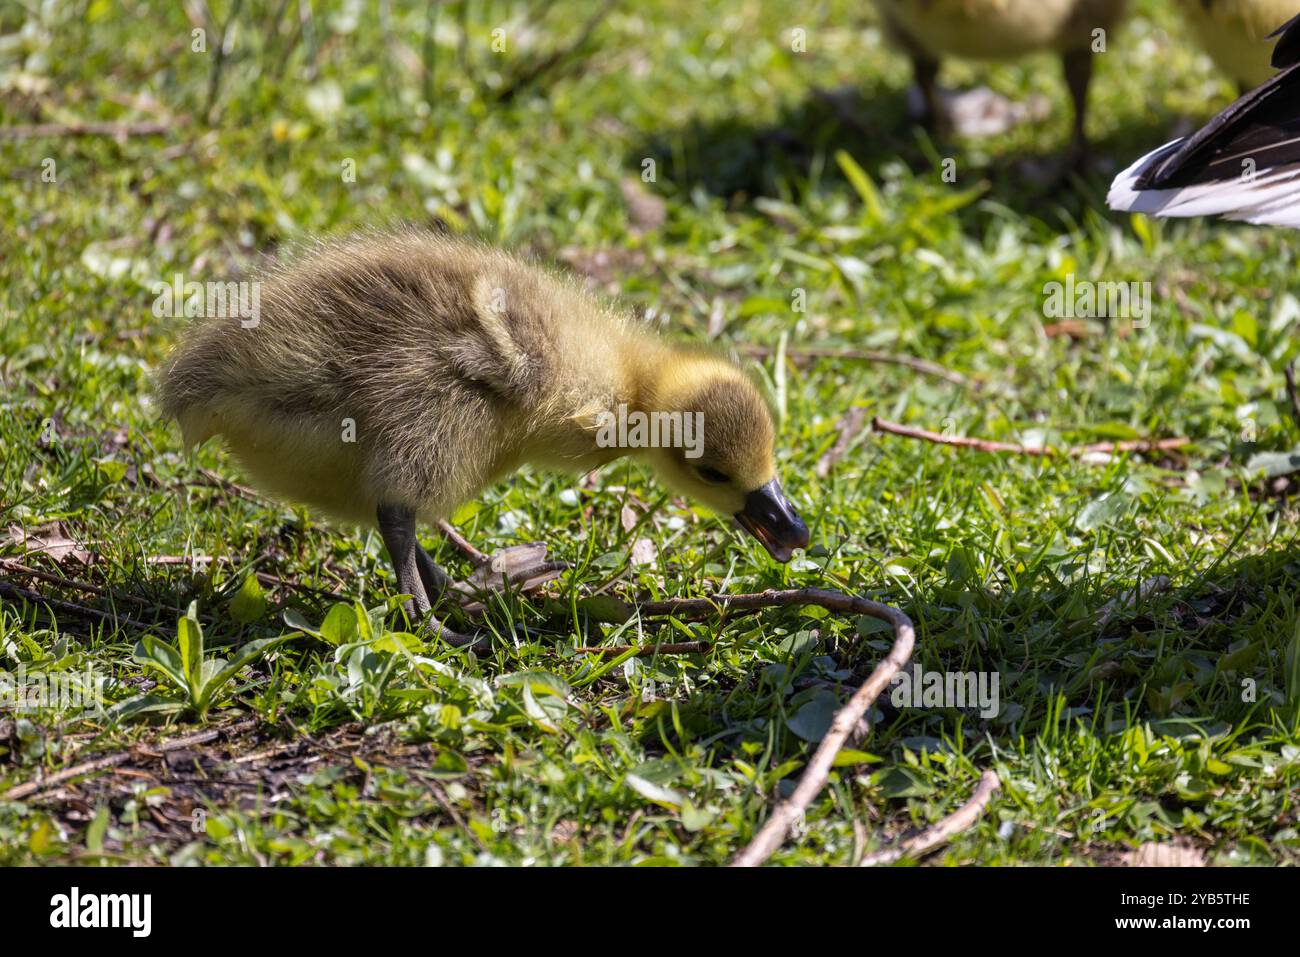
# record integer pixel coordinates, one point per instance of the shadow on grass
(737, 160)
(1204, 655)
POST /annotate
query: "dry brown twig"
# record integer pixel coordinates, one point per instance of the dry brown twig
(103, 762)
(462, 544)
(1046, 451)
(83, 611)
(235, 488)
(939, 832)
(11, 591)
(1292, 393)
(19, 568)
(847, 725)
(923, 366)
(118, 131)
(849, 426)
(199, 564)
(1082, 329)
(846, 721)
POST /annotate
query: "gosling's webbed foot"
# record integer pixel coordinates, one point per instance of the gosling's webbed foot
(522, 568)
(435, 627)
(438, 585)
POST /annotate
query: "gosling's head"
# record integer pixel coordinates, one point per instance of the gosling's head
(724, 457)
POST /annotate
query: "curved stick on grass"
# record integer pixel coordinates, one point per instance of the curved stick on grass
(11, 592)
(941, 831)
(847, 724)
(774, 832)
(984, 445)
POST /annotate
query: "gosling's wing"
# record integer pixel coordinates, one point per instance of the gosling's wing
(505, 349)
(1243, 165)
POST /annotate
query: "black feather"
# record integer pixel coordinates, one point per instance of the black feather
(1262, 126)
(1287, 51)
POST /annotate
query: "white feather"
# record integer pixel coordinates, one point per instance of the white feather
(1271, 197)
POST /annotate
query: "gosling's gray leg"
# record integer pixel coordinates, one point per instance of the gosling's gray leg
(925, 71)
(397, 528)
(1078, 76)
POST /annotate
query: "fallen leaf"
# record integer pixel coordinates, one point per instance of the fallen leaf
(52, 540)
(644, 552)
(564, 831)
(1275, 464)
(653, 792)
(628, 517)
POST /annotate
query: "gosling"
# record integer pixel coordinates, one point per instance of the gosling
(391, 377)
(1236, 34)
(929, 30)
(1242, 165)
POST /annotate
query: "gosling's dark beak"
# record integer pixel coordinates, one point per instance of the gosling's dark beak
(769, 517)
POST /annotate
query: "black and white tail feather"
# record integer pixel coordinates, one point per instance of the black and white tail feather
(1243, 165)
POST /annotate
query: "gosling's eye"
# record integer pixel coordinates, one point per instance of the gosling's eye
(712, 476)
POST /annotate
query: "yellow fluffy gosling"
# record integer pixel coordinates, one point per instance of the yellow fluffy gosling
(1235, 33)
(930, 30)
(390, 377)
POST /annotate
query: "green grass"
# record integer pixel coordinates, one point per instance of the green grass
(1113, 731)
